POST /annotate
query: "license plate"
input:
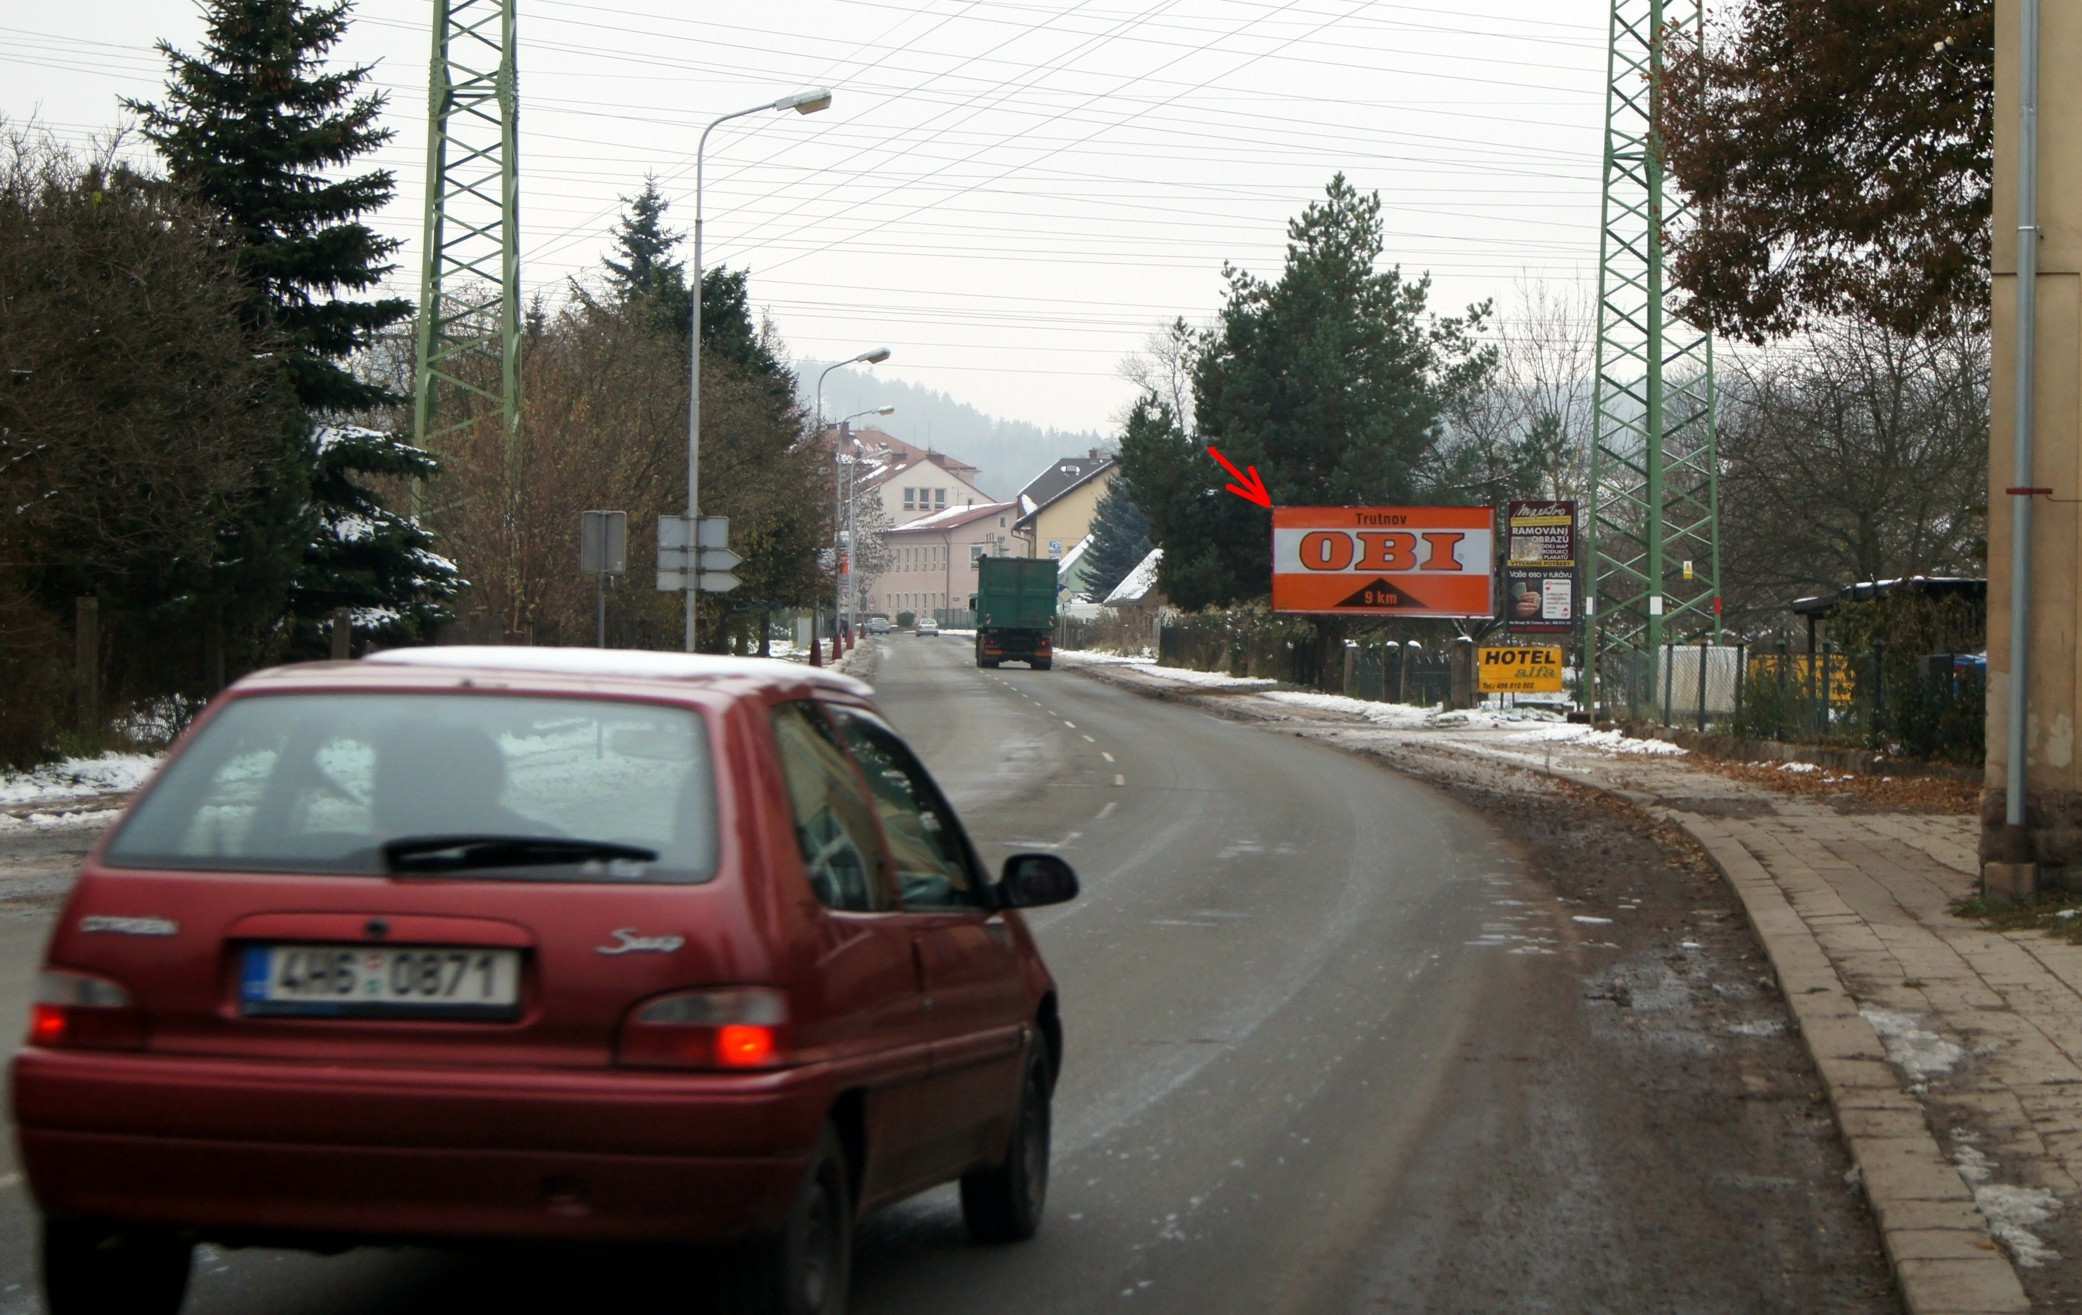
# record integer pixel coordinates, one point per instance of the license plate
(389, 981)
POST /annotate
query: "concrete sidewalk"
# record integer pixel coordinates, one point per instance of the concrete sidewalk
(1952, 1054)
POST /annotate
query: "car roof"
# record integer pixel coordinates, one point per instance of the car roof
(567, 667)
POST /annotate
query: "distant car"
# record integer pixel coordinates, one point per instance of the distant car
(538, 945)
(928, 626)
(878, 625)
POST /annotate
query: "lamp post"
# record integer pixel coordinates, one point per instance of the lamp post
(802, 102)
(872, 356)
(852, 499)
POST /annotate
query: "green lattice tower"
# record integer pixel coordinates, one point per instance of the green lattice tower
(1654, 494)
(468, 358)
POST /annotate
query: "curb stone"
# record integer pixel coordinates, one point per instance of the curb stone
(1945, 1260)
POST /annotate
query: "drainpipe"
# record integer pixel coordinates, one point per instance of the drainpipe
(2027, 353)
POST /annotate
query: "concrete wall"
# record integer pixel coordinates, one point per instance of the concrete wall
(2053, 777)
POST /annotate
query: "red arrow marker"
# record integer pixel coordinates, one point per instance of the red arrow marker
(1250, 489)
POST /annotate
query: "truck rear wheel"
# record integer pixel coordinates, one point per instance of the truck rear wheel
(1042, 664)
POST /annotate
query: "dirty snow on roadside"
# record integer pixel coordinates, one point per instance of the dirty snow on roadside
(2011, 1212)
(1149, 667)
(41, 821)
(74, 778)
(1914, 1048)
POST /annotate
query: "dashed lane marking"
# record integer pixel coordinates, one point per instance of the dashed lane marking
(1071, 724)
(1107, 811)
(1107, 756)
(1088, 739)
(1118, 779)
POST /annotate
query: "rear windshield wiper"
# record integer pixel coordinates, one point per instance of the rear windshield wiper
(459, 853)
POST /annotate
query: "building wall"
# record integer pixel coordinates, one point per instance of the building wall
(1069, 518)
(936, 570)
(928, 488)
(2053, 766)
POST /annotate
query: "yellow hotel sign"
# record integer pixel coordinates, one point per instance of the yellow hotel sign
(1519, 669)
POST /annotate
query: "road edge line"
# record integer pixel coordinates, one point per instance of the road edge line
(1882, 1126)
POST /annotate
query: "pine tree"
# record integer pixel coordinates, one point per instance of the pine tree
(251, 126)
(645, 245)
(1120, 530)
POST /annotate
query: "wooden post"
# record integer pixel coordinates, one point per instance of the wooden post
(86, 637)
(343, 634)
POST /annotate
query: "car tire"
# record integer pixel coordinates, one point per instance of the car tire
(807, 1268)
(90, 1268)
(1004, 1203)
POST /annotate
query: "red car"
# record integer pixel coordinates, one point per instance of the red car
(537, 945)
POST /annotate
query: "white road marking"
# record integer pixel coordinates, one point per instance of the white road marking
(1088, 739)
(8, 1180)
(1071, 724)
(1107, 811)
(1107, 756)
(1118, 779)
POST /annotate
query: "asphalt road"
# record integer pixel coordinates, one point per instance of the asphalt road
(1327, 1051)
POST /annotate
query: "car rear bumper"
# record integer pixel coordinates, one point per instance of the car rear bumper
(249, 1151)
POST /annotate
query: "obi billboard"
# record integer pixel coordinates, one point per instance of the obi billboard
(1384, 561)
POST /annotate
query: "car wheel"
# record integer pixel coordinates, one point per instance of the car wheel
(806, 1269)
(90, 1268)
(1003, 1204)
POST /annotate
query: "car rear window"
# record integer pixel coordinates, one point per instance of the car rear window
(320, 782)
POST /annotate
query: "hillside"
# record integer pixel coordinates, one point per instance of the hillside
(1008, 452)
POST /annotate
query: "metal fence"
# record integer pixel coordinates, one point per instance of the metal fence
(1913, 705)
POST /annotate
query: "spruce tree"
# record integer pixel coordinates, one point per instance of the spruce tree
(252, 126)
(1120, 532)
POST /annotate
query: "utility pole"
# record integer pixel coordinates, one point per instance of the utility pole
(1655, 486)
(467, 358)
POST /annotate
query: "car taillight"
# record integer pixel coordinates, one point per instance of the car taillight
(74, 1011)
(737, 1027)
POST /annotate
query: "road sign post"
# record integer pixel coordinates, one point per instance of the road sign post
(603, 550)
(700, 560)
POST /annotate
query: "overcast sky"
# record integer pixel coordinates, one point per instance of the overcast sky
(1009, 193)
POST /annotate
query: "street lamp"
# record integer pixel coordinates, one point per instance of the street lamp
(872, 356)
(845, 440)
(802, 102)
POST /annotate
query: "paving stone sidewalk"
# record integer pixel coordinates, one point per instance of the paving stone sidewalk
(1952, 1054)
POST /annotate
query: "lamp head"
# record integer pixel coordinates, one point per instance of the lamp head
(885, 410)
(875, 357)
(806, 102)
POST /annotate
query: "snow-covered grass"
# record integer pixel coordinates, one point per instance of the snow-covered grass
(77, 778)
(1385, 714)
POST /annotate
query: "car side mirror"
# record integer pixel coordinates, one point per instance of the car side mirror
(1031, 881)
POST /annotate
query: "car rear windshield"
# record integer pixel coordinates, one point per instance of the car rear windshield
(322, 782)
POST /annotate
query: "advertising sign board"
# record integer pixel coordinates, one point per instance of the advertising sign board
(1384, 561)
(1524, 669)
(1540, 566)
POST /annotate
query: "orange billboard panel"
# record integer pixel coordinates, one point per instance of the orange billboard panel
(1384, 561)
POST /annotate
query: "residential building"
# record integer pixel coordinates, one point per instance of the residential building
(912, 481)
(1057, 506)
(932, 561)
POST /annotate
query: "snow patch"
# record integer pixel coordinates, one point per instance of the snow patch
(1915, 1049)
(2012, 1212)
(75, 778)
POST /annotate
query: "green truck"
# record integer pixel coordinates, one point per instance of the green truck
(1014, 605)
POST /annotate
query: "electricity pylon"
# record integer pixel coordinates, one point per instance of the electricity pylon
(1654, 522)
(468, 354)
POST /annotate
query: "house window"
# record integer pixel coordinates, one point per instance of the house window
(940, 497)
(910, 497)
(975, 553)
